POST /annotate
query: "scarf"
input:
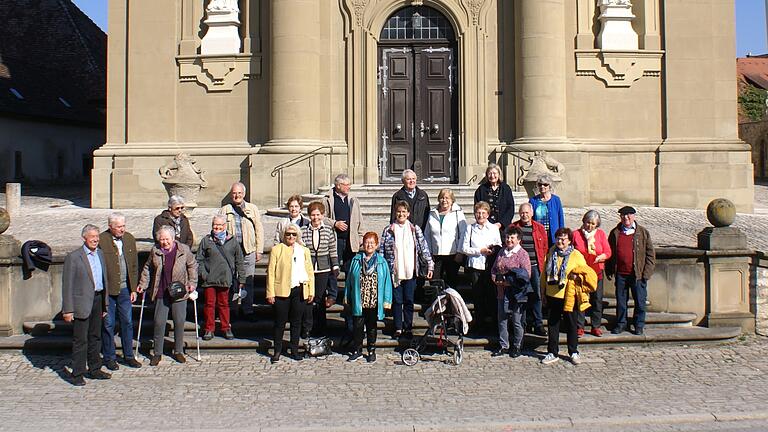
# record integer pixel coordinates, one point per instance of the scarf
(219, 237)
(405, 251)
(628, 230)
(556, 276)
(369, 264)
(177, 225)
(590, 236)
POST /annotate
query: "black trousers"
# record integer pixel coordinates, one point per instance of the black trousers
(447, 269)
(369, 320)
(484, 298)
(285, 309)
(314, 317)
(556, 313)
(86, 339)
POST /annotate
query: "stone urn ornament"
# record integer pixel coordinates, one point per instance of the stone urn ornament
(182, 177)
(9, 246)
(542, 163)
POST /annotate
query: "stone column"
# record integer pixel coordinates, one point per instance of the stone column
(542, 66)
(295, 76)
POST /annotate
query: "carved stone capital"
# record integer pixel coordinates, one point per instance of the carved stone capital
(618, 68)
(474, 7)
(218, 73)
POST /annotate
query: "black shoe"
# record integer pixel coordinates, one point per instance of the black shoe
(639, 331)
(99, 375)
(274, 359)
(228, 334)
(112, 365)
(408, 334)
(155, 360)
(78, 381)
(132, 362)
(540, 331)
(297, 357)
(371, 357)
(500, 352)
(355, 356)
(208, 336)
(514, 352)
(617, 330)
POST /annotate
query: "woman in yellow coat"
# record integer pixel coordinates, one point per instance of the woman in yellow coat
(290, 283)
(562, 259)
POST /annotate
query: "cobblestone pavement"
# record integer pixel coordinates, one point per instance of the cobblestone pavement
(656, 388)
(58, 220)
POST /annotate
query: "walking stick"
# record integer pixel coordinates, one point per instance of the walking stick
(141, 316)
(193, 296)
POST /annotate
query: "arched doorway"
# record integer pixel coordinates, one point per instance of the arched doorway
(418, 96)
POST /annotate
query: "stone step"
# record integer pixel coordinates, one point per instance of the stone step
(687, 335)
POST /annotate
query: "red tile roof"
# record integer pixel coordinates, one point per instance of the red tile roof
(753, 70)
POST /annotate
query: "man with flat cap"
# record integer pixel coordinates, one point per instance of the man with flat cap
(632, 262)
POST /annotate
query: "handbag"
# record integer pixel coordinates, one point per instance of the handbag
(177, 290)
(319, 347)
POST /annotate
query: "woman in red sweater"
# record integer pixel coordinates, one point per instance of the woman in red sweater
(592, 242)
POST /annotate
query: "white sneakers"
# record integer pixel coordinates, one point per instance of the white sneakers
(551, 358)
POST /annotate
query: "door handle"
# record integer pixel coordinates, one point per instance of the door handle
(398, 128)
(435, 128)
(422, 129)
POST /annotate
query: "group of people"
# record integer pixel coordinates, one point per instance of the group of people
(516, 268)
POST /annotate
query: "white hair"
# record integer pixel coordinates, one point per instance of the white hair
(408, 171)
(175, 200)
(238, 184)
(341, 178)
(525, 204)
(88, 228)
(114, 217)
(165, 229)
(219, 217)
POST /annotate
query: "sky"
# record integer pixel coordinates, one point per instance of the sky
(750, 23)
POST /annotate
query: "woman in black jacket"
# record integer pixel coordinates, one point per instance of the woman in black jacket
(498, 194)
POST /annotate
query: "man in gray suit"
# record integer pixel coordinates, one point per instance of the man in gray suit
(84, 302)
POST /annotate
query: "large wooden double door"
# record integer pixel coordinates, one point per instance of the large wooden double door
(418, 112)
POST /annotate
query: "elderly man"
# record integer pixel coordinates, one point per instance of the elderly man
(417, 199)
(121, 259)
(342, 211)
(244, 223)
(83, 301)
(632, 262)
(534, 241)
(175, 218)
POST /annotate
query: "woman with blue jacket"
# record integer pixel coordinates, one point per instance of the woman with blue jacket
(369, 292)
(547, 208)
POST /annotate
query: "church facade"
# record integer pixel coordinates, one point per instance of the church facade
(635, 99)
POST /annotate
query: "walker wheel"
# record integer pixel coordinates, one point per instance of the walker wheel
(458, 353)
(410, 357)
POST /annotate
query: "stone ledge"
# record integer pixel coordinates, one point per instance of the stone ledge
(219, 73)
(618, 68)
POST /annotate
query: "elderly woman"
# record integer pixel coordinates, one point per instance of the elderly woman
(220, 263)
(445, 225)
(369, 292)
(321, 241)
(169, 261)
(481, 242)
(561, 261)
(290, 286)
(405, 249)
(174, 217)
(547, 208)
(499, 197)
(592, 242)
(511, 273)
(295, 205)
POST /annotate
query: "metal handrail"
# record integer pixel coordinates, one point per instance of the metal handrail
(519, 169)
(310, 156)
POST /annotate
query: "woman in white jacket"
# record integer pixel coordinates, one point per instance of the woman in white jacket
(446, 225)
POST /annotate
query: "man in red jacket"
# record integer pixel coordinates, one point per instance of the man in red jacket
(534, 241)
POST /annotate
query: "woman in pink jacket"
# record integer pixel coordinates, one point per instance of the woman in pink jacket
(592, 242)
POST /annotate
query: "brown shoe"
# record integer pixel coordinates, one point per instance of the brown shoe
(179, 357)
(155, 360)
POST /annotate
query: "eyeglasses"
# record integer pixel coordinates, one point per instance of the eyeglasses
(291, 234)
(544, 184)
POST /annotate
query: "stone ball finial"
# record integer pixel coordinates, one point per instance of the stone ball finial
(5, 220)
(721, 212)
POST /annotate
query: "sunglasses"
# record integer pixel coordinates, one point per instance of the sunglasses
(291, 234)
(544, 184)
(178, 208)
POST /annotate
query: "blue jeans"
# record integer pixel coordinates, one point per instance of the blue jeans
(402, 304)
(506, 311)
(119, 305)
(639, 290)
(533, 306)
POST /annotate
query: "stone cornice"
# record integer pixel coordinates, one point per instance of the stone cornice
(219, 73)
(618, 68)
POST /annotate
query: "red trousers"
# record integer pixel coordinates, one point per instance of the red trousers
(218, 297)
